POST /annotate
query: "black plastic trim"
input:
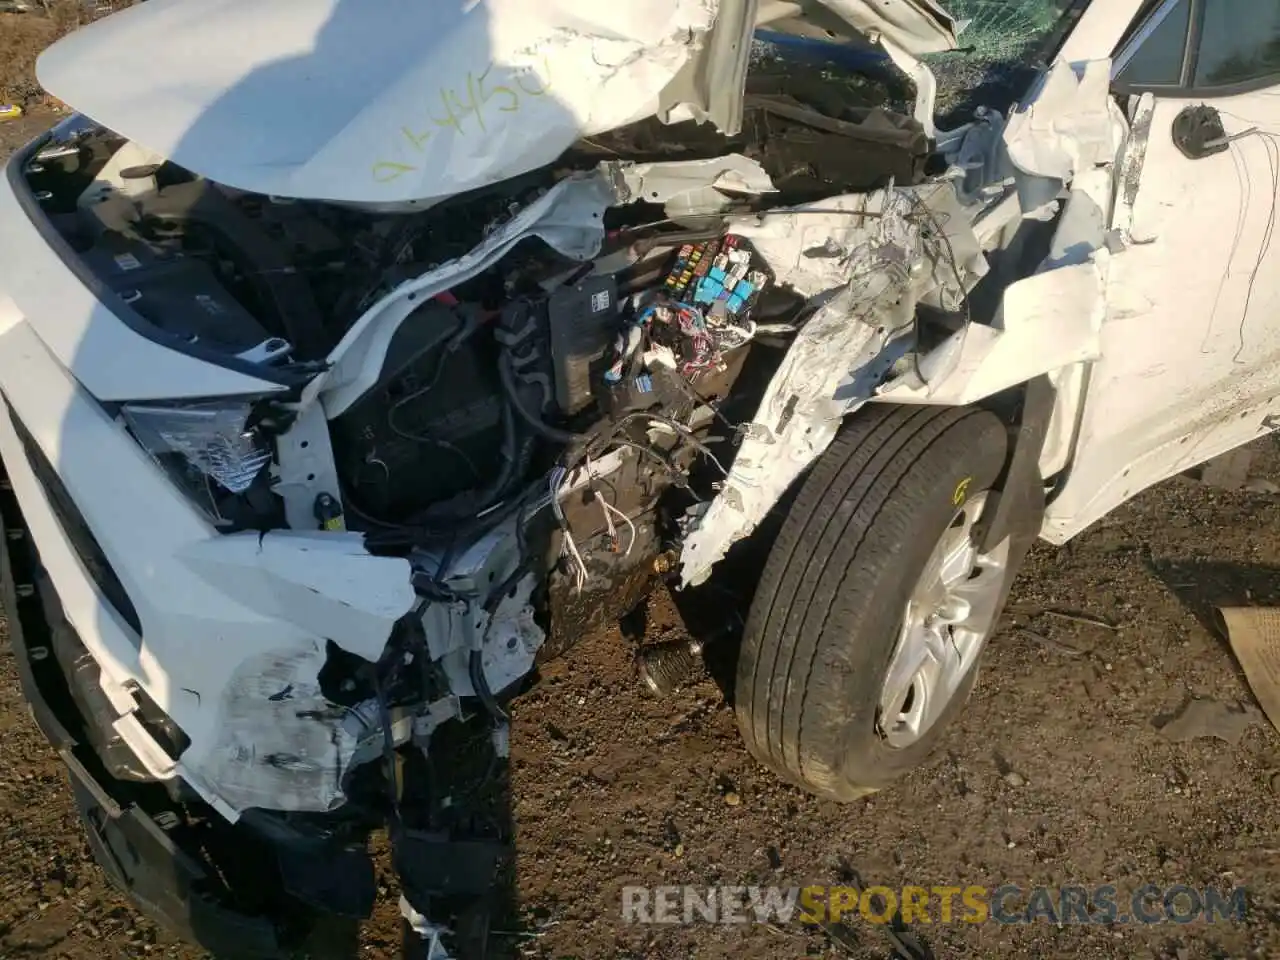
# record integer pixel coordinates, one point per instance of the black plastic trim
(92, 557)
(112, 301)
(1018, 510)
(1191, 48)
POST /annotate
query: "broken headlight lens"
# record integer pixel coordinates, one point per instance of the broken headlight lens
(208, 448)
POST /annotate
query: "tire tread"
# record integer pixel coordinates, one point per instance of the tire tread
(852, 521)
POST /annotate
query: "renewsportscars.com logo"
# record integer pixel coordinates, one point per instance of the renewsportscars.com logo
(819, 904)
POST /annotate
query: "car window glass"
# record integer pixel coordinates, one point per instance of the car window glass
(1002, 45)
(1161, 43)
(1239, 41)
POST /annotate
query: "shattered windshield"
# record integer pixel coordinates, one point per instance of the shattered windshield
(1002, 45)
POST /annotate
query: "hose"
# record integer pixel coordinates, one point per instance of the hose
(524, 561)
(465, 522)
(475, 667)
(539, 426)
(448, 516)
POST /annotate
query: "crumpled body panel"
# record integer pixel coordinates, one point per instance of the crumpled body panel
(406, 103)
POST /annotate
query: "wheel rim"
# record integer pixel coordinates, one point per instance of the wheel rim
(951, 612)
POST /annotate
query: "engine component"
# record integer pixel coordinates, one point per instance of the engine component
(665, 667)
(815, 136)
(524, 351)
(478, 612)
(582, 318)
(200, 221)
(525, 368)
(609, 507)
(433, 426)
(682, 332)
(180, 296)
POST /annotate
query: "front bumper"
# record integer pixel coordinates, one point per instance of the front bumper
(177, 670)
(254, 889)
(173, 886)
(226, 634)
(209, 628)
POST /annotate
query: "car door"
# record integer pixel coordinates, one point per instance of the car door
(1190, 360)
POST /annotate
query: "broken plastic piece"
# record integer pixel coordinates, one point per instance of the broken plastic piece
(502, 740)
(426, 930)
(1198, 132)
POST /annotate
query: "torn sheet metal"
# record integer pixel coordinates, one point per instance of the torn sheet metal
(975, 157)
(1129, 175)
(1071, 125)
(569, 218)
(920, 26)
(326, 583)
(409, 103)
(926, 84)
(691, 187)
(508, 638)
(797, 419)
(1070, 132)
(1048, 321)
(864, 262)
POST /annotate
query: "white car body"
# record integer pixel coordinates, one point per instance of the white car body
(1152, 313)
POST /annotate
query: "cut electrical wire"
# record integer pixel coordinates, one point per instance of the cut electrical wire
(610, 511)
(568, 547)
(680, 429)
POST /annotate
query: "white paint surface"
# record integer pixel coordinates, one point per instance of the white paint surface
(1190, 363)
(325, 582)
(1099, 30)
(215, 610)
(1175, 328)
(1068, 126)
(1050, 320)
(398, 101)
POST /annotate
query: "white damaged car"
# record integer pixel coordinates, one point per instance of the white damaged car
(356, 357)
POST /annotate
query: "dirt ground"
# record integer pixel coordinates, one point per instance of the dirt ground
(1056, 774)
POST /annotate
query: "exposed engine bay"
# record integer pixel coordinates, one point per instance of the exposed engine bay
(377, 357)
(544, 438)
(594, 386)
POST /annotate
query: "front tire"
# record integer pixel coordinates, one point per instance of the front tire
(874, 605)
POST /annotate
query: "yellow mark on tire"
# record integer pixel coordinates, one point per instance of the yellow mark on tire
(962, 490)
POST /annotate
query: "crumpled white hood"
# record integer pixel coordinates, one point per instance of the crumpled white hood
(400, 101)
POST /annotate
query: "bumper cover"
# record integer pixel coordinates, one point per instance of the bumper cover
(134, 850)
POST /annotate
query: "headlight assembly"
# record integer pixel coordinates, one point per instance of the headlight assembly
(208, 448)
